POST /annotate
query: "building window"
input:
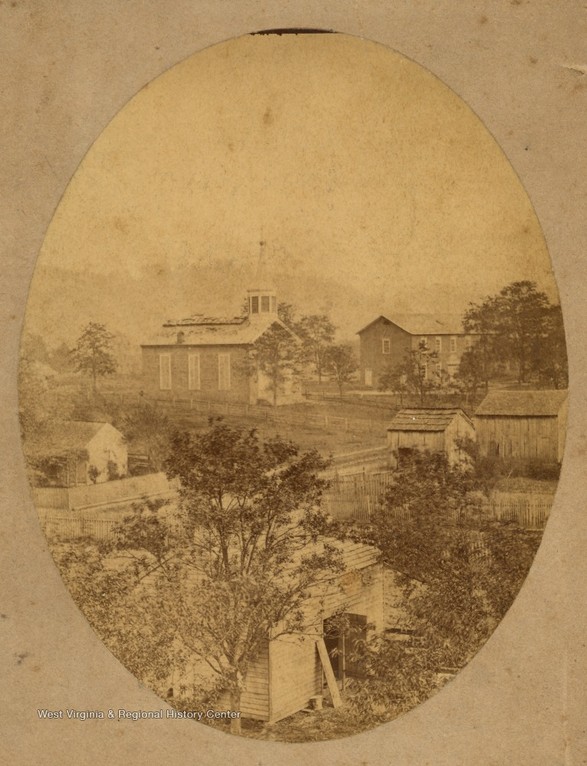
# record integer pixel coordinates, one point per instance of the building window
(438, 344)
(265, 304)
(273, 304)
(453, 344)
(424, 371)
(423, 342)
(223, 372)
(165, 372)
(181, 337)
(254, 304)
(194, 372)
(385, 346)
(468, 342)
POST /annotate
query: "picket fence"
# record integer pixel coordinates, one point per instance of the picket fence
(355, 497)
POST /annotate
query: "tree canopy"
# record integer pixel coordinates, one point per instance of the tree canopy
(231, 565)
(92, 353)
(461, 570)
(518, 327)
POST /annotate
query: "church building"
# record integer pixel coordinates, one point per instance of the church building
(245, 359)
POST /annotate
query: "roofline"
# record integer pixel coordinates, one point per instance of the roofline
(186, 344)
(415, 334)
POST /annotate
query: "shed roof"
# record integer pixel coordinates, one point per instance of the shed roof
(65, 437)
(208, 331)
(522, 403)
(424, 324)
(425, 419)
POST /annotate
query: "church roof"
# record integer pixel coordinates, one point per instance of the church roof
(211, 331)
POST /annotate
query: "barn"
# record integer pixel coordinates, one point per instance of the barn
(523, 424)
(385, 342)
(77, 452)
(431, 429)
(216, 358)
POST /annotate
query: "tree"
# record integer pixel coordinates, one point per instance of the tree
(416, 374)
(276, 356)
(148, 429)
(473, 371)
(233, 564)
(317, 334)
(460, 567)
(340, 364)
(551, 363)
(130, 616)
(517, 327)
(93, 352)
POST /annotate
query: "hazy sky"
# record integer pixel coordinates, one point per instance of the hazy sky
(350, 160)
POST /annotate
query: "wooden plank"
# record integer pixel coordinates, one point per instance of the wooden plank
(328, 673)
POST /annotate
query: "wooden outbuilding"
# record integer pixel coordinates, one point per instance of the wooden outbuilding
(523, 424)
(77, 452)
(293, 669)
(430, 429)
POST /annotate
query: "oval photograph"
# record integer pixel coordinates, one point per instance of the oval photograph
(293, 386)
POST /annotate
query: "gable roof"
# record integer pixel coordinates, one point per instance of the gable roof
(210, 331)
(66, 437)
(522, 403)
(425, 419)
(424, 324)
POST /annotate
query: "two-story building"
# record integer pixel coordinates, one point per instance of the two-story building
(387, 340)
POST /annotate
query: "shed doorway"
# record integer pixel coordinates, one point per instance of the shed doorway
(344, 635)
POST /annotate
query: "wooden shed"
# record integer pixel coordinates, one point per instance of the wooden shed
(80, 452)
(292, 669)
(523, 424)
(430, 429)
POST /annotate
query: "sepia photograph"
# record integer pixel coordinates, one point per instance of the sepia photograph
(293, 386)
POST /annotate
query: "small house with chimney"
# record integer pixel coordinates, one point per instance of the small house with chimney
(221, 359)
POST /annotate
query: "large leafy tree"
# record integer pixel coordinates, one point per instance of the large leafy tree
(518, 327)
(231, 566)
(461, 570)
(276, 356)
(317, 334)
(340, 364)
(93, 354)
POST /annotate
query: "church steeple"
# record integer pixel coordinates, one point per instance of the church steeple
(262, 299)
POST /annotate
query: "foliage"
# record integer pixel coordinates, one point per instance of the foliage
(92, 353)
(317, 334)
(93, 473)
(460, 568)
(340, 363)
(129, 616)
(276, 356)
(147, 428)
(474, 370)
(417, 373)
(551, 364)
(519, 327)
(232, 564)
